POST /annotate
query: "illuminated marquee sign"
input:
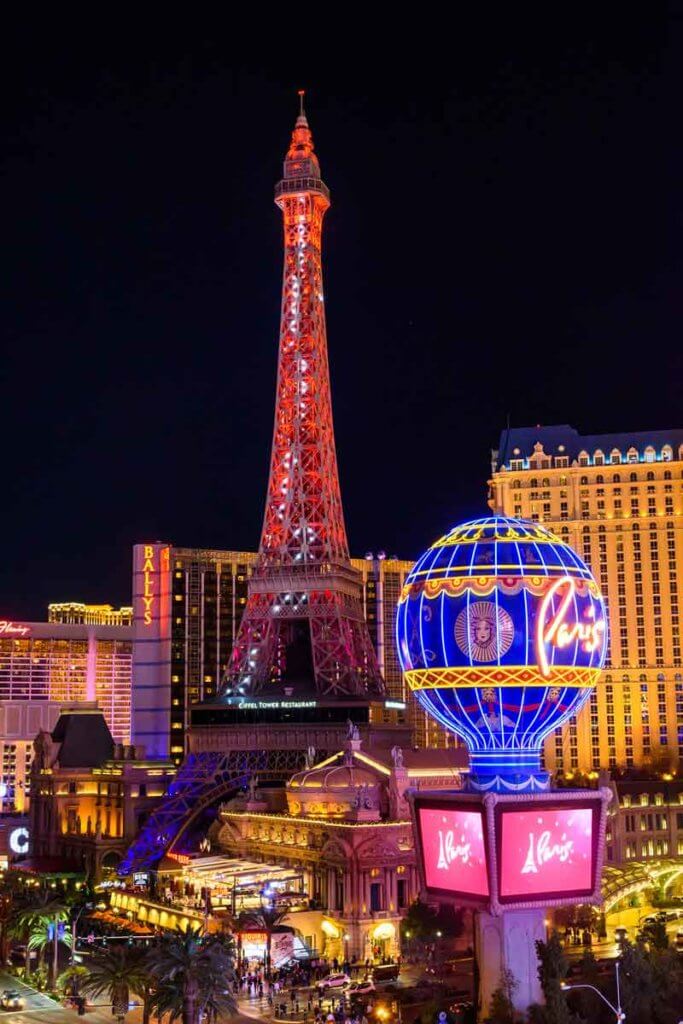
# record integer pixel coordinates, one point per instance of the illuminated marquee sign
(148, 592)
(501, 849)
(546, 851)
(19, 840)
(452, 841)
(13, 628)
(254, 705)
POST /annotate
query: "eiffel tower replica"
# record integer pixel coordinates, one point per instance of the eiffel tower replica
(303, 673)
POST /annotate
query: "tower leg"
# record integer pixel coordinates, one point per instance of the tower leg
(507, 942)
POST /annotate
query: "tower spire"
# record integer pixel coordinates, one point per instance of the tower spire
(304, 614)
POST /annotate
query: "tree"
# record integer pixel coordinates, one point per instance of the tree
(653, 935)
(193, 974)
(264, 920)
(502, 1008)
(33, 919)
(552, 970)
(114, 972)
(651, 982)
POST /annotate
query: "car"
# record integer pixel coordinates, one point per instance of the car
(362, 988)
(385, 972)
(11, 999)
(333, 981)
(620, 934)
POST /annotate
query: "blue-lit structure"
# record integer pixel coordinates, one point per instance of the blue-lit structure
(501, 633)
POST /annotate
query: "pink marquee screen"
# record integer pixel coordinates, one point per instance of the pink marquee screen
(454, 851)
(548, 851)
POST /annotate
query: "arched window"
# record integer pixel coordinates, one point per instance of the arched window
(667, 453)
(632, 455)
(615, 456)
(650, 475)
(633, 477)
(516, 484)
(650, 454)
(616, 478)
(533, 482)
(545, 482)
(583, 459)
(583, 480)
(667, 474)
(563, 481)
(599, 479)
(586, 529)
(598, 457)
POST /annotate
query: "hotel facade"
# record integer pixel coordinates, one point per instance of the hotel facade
(617, 499)
(46, 666)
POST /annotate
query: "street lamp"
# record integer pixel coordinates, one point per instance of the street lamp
(616, 1010)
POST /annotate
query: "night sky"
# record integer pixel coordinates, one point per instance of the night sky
(504, 240)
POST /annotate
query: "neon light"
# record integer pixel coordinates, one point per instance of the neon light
(517, 640)
(558, 632)
(549, 850)
(454, 851)
(13, 628)
(148, 594)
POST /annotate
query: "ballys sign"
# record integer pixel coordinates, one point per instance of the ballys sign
(559, 626)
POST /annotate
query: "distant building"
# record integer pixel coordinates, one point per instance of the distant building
(45, 666)
(618, 500)
(89, 795)
(76, 613)
(189, 603)
(645, 821)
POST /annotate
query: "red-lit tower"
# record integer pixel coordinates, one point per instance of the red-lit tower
(303, 624)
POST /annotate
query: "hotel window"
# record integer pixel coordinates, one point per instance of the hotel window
(518, 510)
(650, 455)
(616, 478)
(599, 458)
(583, 459)
(667, 453)
(615, 456)
(632, 455)
(516, 484)
(516, 465)
(562, 462)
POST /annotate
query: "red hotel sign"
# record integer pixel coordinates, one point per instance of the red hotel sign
(13, 628)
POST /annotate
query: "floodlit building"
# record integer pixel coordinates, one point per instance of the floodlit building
(45, 666)
(90, 795)
(618, 500)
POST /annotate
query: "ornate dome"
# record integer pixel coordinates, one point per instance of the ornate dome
(341, 787)
(333, 777)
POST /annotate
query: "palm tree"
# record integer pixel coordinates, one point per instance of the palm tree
(116, 971)
(264, 920)
(31, 922)
(193, 974)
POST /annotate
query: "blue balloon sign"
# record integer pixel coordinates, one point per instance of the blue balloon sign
(502, 633)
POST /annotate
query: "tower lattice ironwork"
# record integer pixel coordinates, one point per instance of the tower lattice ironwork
(304, 621)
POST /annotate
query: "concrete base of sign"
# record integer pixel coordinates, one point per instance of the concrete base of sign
(507, 942)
